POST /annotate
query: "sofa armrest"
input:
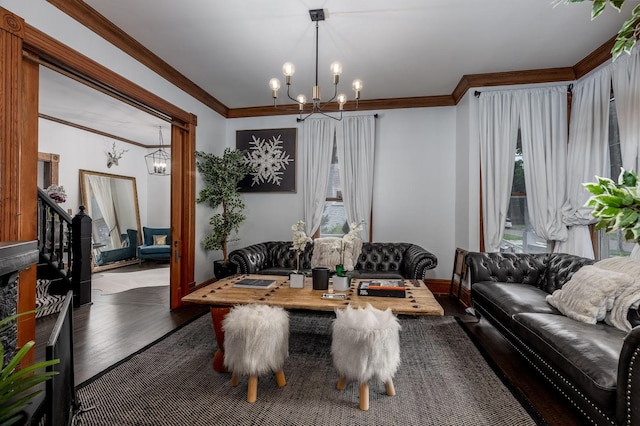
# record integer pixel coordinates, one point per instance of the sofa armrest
(518, 268)
(628, 394)
(250, 259)
(417, 261)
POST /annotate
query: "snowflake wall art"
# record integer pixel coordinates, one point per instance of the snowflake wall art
(272, 153)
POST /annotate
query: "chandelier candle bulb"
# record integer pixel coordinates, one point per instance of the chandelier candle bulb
(274, 84)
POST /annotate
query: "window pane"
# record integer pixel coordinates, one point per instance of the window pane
(334, 220)
(334, 188)
(519, 235)
(613, 244)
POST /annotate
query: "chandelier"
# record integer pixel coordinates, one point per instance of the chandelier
(316, 107)
(159, 161)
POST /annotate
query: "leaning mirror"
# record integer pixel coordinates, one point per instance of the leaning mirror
(112, 203)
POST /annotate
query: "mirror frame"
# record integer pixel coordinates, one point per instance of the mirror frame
(85, 202)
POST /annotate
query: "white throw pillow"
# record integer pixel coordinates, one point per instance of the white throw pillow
(325, 253)
(351, 254)
(590, 293)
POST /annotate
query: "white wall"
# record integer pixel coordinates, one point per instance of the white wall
(79, 149)
(414, 183)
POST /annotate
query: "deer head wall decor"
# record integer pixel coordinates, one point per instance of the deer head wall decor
(114, 155)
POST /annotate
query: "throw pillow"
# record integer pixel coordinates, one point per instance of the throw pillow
(326, 253)
(159, 240)
(351, 254)
(590, 293)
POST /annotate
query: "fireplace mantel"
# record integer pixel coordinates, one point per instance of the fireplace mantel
(16, 256)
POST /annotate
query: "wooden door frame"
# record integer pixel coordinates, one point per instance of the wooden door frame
(36, 47)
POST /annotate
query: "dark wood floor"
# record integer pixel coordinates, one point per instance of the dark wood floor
(118, 325)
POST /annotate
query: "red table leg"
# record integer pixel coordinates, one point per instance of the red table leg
(217, 315)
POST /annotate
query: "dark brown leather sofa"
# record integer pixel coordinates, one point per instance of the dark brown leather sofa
(376, 260)
(597, 367)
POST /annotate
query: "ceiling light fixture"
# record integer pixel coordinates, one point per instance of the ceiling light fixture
(317, 107)
(159, 161)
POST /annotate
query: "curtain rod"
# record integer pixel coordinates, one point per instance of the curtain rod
(569, 89)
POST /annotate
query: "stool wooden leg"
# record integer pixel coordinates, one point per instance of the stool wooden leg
(252, 389)
(391, 391)
(342, 382)
(280, 379)
(234, 379)
(364, 396)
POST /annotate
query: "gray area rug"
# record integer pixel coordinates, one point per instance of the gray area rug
(443, 380)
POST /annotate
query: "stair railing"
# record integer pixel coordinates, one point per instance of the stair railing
(57, 231)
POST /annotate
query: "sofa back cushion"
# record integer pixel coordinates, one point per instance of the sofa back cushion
(520, 268)
(281, 256)
(381, 257)
(150, 232)
(560, 269)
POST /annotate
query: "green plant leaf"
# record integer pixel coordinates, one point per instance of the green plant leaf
(609, 200)
(625, 218)
(617, 4)
(593, 188)
(597, 8)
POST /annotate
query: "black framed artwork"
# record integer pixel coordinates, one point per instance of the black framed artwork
(272, 153)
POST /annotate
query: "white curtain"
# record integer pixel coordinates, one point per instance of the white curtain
(626, 88)
(543, 130)
(355, 144)
(498, 124)
(101, 187)
(588, 156)
(318, 137)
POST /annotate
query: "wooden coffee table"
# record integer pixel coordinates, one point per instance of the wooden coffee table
(221, 296)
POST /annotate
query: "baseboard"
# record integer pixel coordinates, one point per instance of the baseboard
(442, 287)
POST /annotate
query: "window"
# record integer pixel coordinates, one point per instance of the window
(519, 235)
(613, 244)
(334, 218)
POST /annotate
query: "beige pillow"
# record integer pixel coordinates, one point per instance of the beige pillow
(159, 240)
(351, 254)
(590, 293)
(326, 253)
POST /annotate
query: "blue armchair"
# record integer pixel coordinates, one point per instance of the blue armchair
(121, 253)
(154, 245)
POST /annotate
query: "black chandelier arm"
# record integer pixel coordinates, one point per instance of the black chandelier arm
(289, 95)
(301, 119)
(275, 105)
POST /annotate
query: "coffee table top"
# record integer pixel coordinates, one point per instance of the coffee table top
(419, 300)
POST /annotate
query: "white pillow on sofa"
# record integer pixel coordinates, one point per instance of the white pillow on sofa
(590, 293)
(326, 253)
(351, 253)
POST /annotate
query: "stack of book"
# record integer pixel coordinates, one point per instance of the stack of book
(395, 288)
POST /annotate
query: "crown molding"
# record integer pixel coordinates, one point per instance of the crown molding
(90, 18)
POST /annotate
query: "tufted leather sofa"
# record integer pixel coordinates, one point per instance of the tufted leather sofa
(376, 260)
(594, 366)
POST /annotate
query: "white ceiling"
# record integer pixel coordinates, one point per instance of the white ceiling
(403, 48)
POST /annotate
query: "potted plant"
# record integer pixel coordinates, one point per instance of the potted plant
(16, 385)
(222, 175)
(300, 241)
(617, 205)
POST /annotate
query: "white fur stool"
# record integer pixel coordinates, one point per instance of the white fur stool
(366, 345)
(256, 342)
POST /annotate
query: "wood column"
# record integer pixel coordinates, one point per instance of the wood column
(11, 36)
(18, 158)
